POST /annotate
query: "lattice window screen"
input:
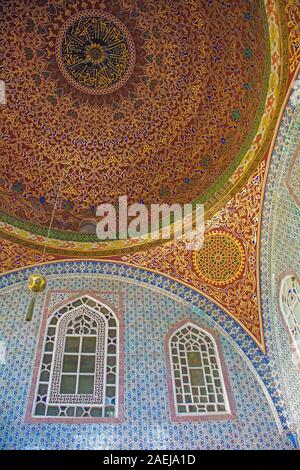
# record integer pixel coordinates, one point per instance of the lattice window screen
(290, 307)
(198, 384)
(79, 366)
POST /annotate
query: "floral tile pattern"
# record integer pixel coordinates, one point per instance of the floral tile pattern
(149, 314)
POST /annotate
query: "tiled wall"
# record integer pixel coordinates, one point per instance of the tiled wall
(280, 241)
(149, 314)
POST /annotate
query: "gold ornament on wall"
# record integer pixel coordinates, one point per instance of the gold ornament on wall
(36, 284)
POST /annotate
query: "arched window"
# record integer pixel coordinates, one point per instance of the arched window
(196, 383)
(289, 299)
(79, 365)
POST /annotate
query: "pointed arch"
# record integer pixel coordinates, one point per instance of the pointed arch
(289, 305)
(78, 363)
(198, 385)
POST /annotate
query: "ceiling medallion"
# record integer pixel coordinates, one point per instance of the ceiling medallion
(95, 52)
(221, 260)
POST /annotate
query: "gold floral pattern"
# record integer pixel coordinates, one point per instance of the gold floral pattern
(220, 260)
(175, 131)
(95, 52)
(238, 296)
(292, 9)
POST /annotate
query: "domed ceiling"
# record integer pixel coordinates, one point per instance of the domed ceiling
(156, 100)
(162, 101)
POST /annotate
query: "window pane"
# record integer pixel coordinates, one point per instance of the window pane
(96, 412)
(72, 344)
(70, 363)
(53, 411)
(111, 378)
(112, 333)
(88, 344)
(197, 377)
(77, 362)
(43, 388)
(194, 358)
(111, 360)
(195, 372)
(111, 349)
(40, 409)
(112, 322)
(51, 331)
(86, 384)
(45, 376)
(49, 346)
(68, 384)
(47, 358)
(87, 364)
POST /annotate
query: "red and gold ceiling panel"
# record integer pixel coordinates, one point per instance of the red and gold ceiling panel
(188, 110)
(157, 100)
